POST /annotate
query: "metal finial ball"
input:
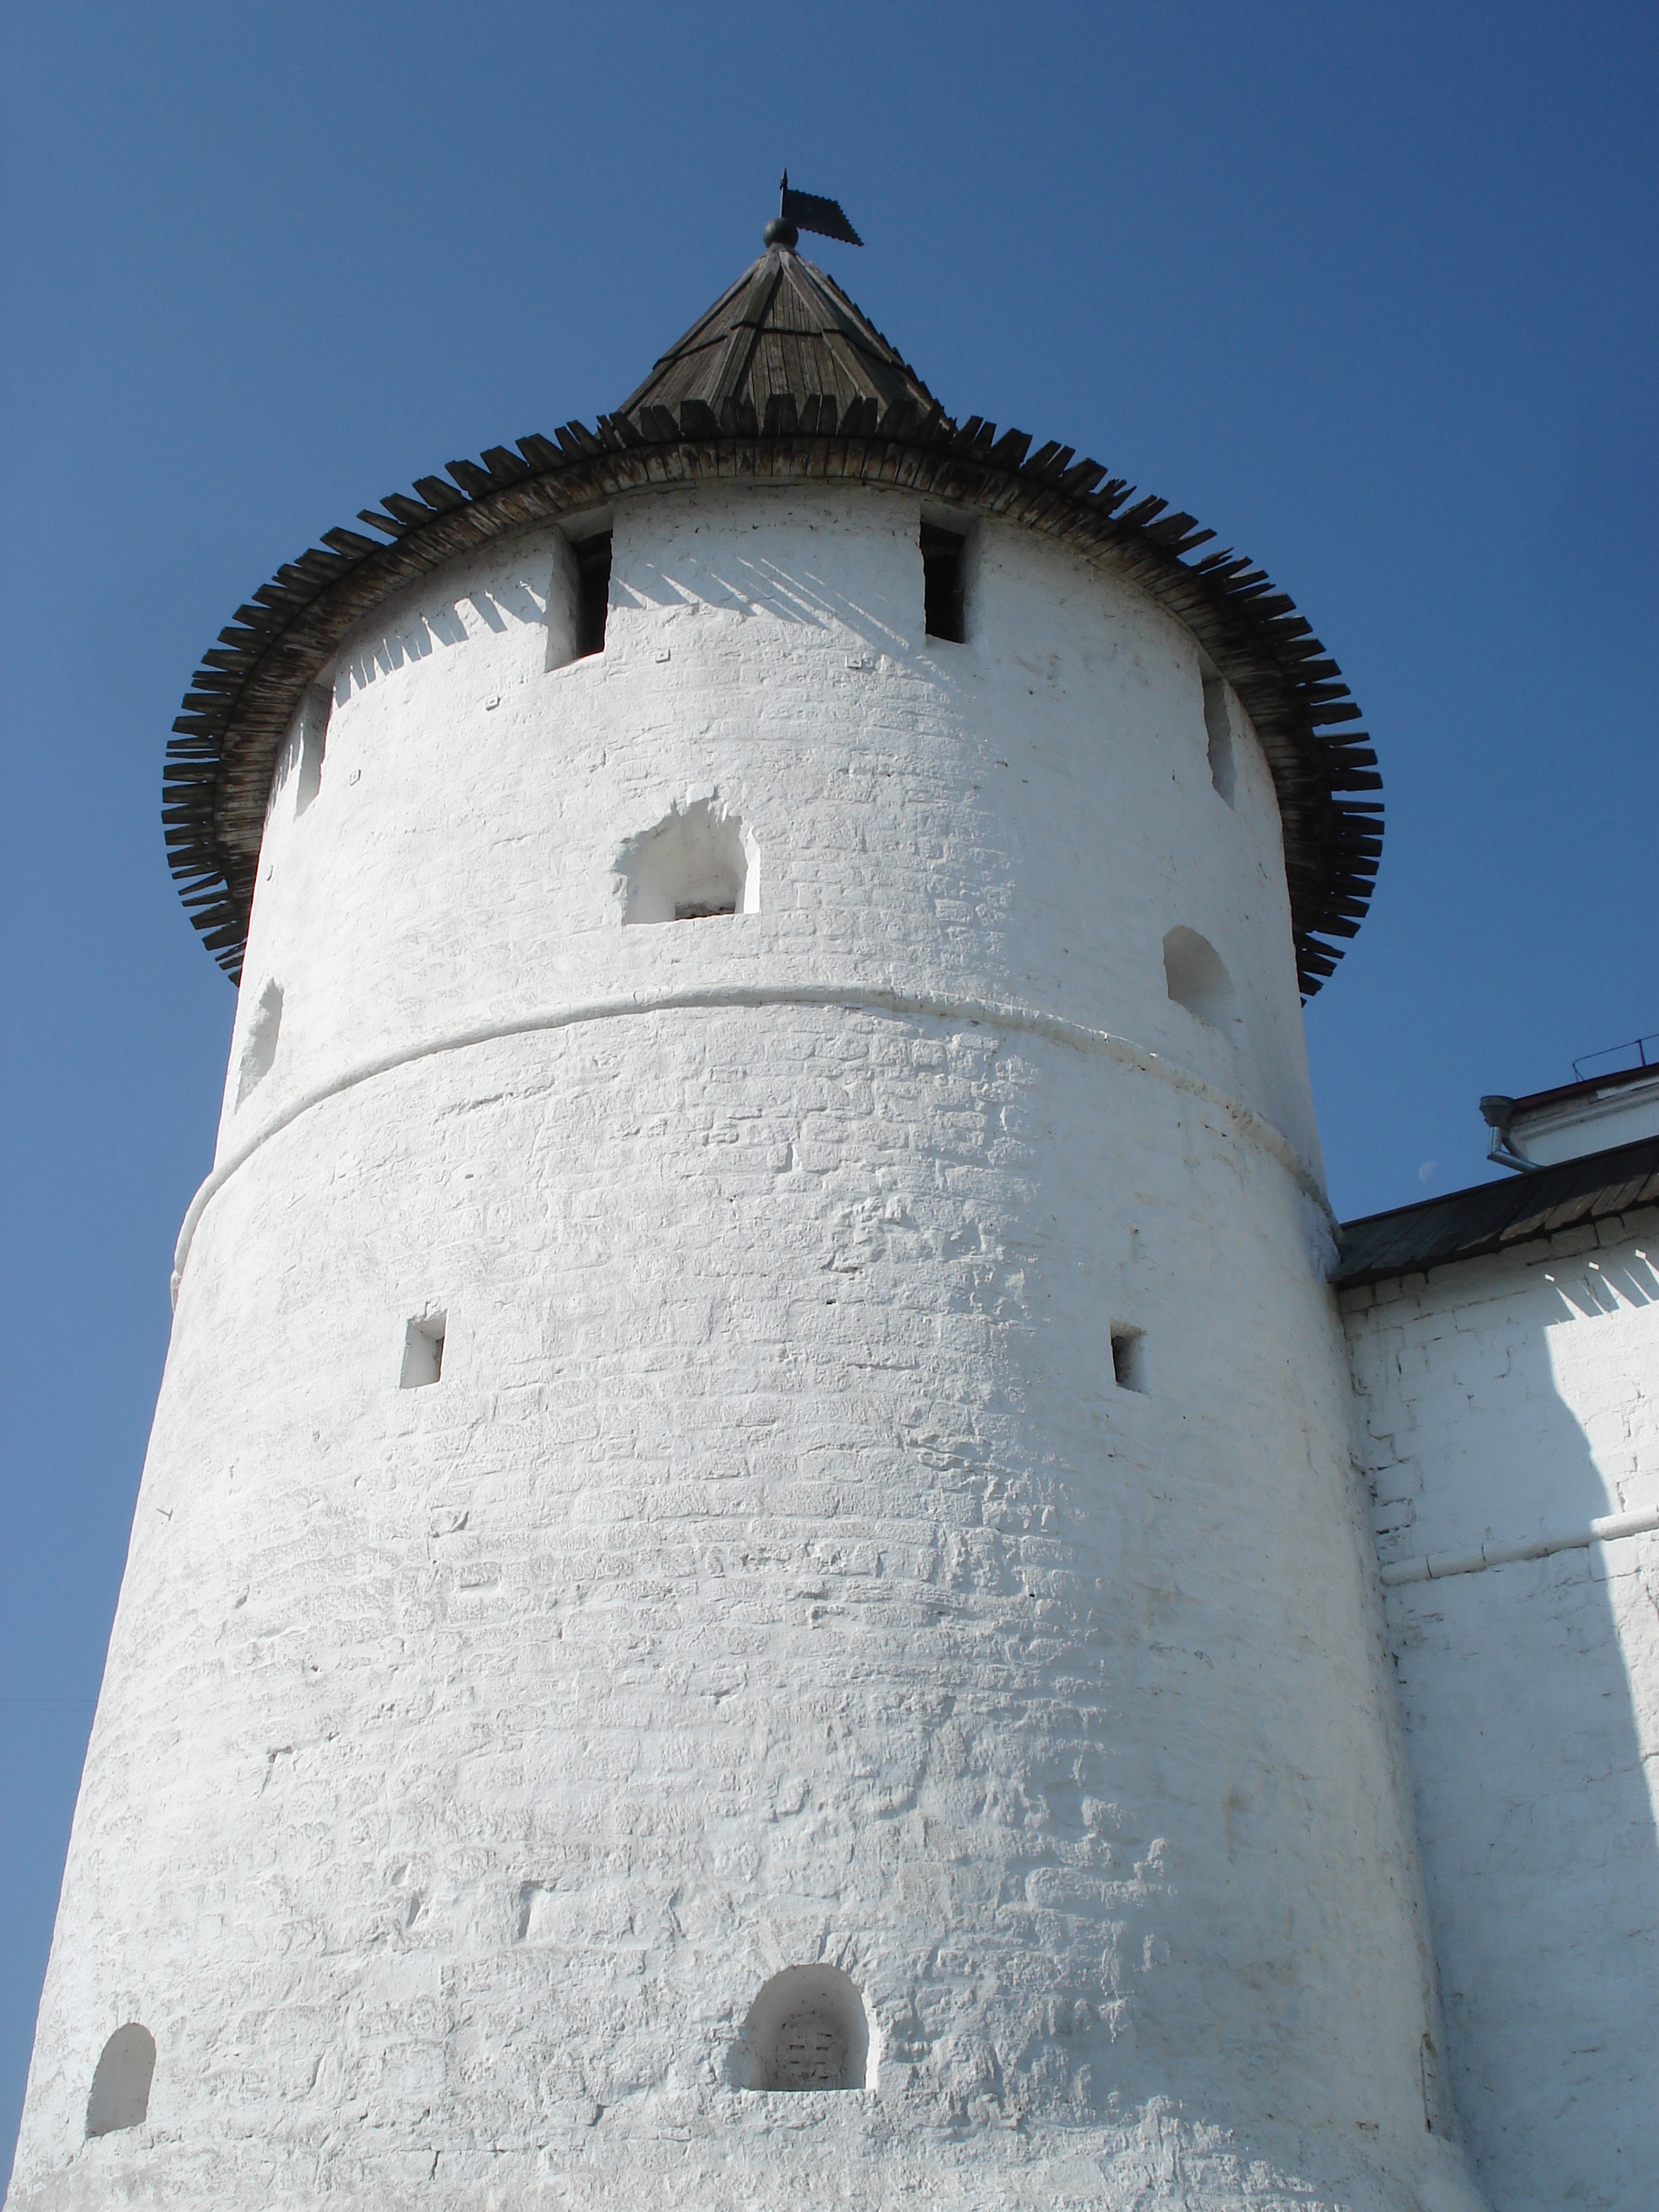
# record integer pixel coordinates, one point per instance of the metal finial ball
(780, 232)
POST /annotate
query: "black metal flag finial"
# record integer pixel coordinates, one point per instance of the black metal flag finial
(799, 211)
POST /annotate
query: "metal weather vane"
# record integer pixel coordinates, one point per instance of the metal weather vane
(799, 211)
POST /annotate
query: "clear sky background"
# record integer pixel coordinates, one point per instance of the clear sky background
(1370, 290)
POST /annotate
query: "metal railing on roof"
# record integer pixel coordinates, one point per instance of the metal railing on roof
(1585, 1068)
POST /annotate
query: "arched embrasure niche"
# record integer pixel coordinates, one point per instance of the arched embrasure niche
(120, 2087)
(1197, 980)
(697, 862)
(807, 2030)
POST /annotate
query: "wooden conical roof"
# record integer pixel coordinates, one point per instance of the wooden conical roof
(784, 336)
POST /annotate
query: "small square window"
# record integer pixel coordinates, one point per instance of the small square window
(423, 1352)
(1128, 1357)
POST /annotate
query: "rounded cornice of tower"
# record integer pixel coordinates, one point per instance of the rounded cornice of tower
(783, 382)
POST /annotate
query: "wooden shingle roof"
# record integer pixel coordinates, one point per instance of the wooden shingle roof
(783, 381)
(785, 331)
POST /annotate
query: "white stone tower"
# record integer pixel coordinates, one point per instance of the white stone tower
(749, 1583)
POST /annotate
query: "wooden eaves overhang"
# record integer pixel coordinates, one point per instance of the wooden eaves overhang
(783, 381)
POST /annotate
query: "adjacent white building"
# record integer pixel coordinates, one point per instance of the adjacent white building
(753, 1577)
(1505, 1347)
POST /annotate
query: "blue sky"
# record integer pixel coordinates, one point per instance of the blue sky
(1369, 290)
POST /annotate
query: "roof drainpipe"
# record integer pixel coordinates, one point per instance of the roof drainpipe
(1497, 1112)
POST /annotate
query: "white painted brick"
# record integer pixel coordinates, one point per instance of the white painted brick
(1400, 1478)
(776, 1573)
(1530, 1697)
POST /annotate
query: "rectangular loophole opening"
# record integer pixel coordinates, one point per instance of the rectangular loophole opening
(1129, 1357)
(593, 556)
(423, 1352)
(314, 716)
(943, 583)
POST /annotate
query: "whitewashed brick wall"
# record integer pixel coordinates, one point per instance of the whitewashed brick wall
(776, 1574)
(1504, 1400)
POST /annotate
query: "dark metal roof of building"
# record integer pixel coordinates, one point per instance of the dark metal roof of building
(1493, 1217)
(783, 381)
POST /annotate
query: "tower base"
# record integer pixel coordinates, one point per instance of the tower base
(740, 2153)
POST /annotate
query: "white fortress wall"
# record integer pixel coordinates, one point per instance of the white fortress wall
(767, 650)
(1505, 1402)
(776, 1573)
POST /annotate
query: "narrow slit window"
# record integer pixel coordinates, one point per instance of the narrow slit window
(423, 1352)
(592, 593)
(1219, 733)
(314, 718)
(1129, 1357)
(943, 583)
